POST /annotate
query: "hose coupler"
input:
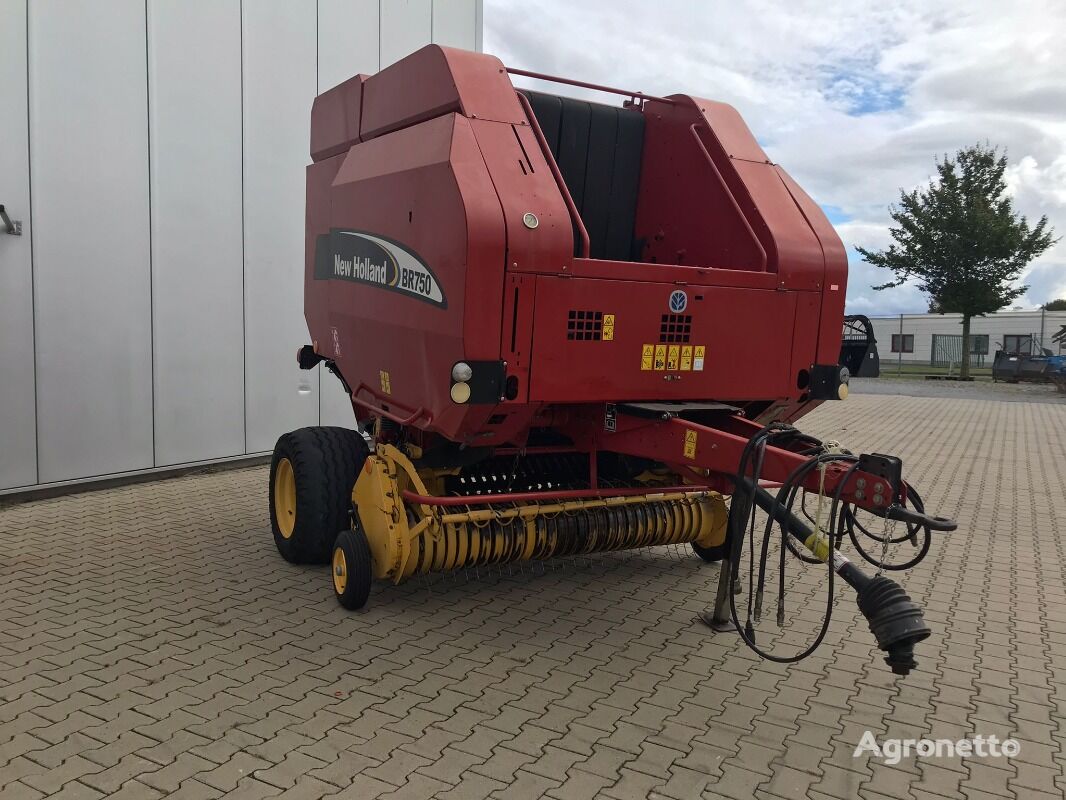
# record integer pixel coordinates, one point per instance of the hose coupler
(895, 621)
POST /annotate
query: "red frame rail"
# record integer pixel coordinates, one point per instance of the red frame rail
(689, 447)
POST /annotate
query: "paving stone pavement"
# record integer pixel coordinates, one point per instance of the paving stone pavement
(153, 643)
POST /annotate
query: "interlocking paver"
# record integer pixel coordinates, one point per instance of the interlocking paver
(56, 778)
(471, 787)
(170, 777)
(17, 790)
(111, 780)
(170, 652)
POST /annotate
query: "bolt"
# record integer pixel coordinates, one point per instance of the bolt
(878, 499)
(860, 483)
(859, 494)
(878, 488)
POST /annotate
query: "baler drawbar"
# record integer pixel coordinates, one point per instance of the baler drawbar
(569, 328)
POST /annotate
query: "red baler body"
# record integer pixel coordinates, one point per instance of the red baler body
(440, 161)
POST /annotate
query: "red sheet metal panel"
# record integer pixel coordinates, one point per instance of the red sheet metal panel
(685, 214)
(726, 344)
(525, 186)
(709, 197)
(733, 134)
(790, 243)
(433, 81)
(835, 278)
(423, 194)
(335, 119)
(516, 337)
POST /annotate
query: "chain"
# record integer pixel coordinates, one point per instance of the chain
(886, 534)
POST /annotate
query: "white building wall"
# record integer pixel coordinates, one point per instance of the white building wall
(195, 159)
(89, 225)
(1040, 325)
(154, 151)
(18, 397)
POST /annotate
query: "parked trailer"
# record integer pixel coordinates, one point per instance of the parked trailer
(568, 328)
(1018, 367)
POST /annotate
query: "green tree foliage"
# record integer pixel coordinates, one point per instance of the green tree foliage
(961, 239)
(1055, 305)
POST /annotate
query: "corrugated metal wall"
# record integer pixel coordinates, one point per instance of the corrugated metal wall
(155, 152)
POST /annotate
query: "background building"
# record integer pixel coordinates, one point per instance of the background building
(154, 153)
(936, 339)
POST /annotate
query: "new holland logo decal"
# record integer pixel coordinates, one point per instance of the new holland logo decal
(363, 257)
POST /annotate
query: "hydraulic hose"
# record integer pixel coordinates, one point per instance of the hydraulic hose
(895, 621)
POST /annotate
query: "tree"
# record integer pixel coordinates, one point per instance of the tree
(1055, 305)
(961, 240)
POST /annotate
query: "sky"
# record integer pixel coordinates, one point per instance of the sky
(855, 99)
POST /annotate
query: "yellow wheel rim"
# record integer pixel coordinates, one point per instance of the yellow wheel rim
(340, 571)
(285, 498)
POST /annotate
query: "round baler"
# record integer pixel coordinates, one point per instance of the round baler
(567, 328)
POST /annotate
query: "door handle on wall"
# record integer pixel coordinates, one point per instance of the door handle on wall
(14, 227)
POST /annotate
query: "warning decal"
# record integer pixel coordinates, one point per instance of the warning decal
(686, 357)
(647, 355)
(674, 358)
(669, 358)
(690, 444)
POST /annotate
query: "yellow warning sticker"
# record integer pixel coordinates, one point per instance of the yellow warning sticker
(608, 327)
(686, 357)
(690, 444)
(697, 360)
(674, 357)
(660, 357)
(647, 354)
(386, 383)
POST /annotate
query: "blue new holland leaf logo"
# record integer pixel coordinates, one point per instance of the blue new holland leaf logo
(678, 301)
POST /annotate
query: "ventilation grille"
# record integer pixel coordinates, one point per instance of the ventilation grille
(675, 328)
(585, 326)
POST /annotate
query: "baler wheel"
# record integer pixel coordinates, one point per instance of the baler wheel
(311, 478)
(711, 555)
(351, 568)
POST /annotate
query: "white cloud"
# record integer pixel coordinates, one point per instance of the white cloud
(855, 98)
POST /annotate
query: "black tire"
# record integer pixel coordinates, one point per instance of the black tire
(350, 568)
(324, 463)
(711, 555)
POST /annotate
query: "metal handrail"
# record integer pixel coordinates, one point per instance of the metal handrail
(594, 86)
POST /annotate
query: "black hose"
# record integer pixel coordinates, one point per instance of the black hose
(841, 517)
(848, 518)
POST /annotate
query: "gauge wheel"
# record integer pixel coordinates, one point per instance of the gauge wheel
(350, 568)
(711, 555)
